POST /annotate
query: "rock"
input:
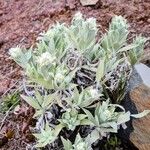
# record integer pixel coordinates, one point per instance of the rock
(88, 2)
(144, 73)
(127, 103)
(136, 100)
(140, 137)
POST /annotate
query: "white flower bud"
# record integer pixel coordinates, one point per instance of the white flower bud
(92, 23)
(15, 52)
(94, 93)
(45, 59)
(59, 77)
(78, 16)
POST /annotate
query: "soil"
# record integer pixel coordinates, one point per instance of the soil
(21, 21)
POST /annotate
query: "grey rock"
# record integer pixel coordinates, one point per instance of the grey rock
(144, 72)
(88, 2)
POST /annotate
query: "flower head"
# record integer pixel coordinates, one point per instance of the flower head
(15, 52)
(45, 59)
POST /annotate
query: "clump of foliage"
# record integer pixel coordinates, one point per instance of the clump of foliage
(112, 143)
(78, 80)
(9, 101)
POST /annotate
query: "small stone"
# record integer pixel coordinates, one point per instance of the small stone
(148, 20)
(140, 136)
(88, 2)
(71, 4)
(144, 73)
(1, 12)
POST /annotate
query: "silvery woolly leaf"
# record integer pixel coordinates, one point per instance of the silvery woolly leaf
(90, 116)
(123, 117)
(113, 63)
(20, 56)
(133, 57)
(110, 124)
(136, 52)
(105, 131)
(82, 116)
(39, 97)
(38, 113)
(118, 23)
(86, 122)
(48, 100)
(93, 137)
(116, 105)
(139, 41)
(140, 115)
(67, 144)
(57, 129)
(127, 48)
(100, 70)
(31, 101)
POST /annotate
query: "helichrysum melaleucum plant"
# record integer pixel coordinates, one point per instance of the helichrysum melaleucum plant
(74, 72)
